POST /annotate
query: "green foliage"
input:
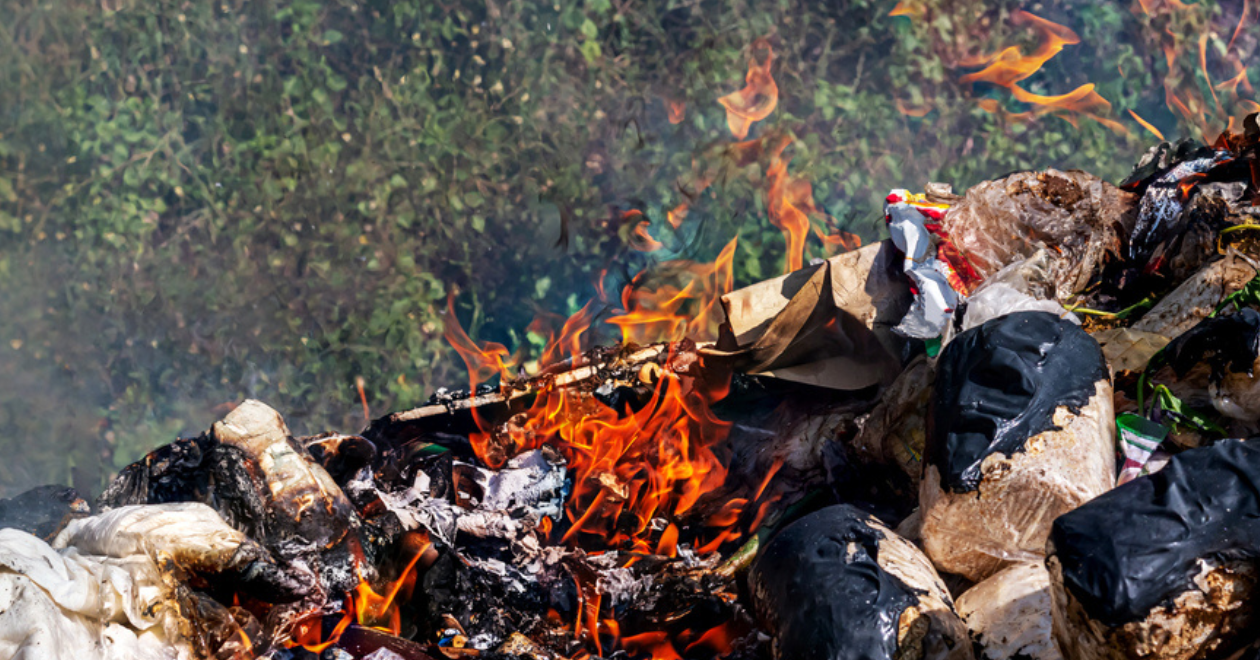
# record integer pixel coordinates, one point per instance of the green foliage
(205, 201)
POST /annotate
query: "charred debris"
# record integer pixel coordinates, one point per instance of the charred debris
(1017, 428)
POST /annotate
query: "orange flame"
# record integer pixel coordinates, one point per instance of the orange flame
(652, 463)
(908, 8)
(363, 606)
(912, 111)
(628, 467)
(1182, 89)
(1147, 125)
(759, 96)
(671, 312)
(639, 238)
(1010, 66)
(677, 111)
(788, 201)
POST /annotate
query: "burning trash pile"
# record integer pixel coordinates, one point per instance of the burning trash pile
(1016, 428)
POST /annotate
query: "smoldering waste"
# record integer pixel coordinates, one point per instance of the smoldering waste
(822, 482)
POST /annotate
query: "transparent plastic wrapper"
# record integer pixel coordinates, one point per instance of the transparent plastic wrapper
(107, 586)
(1078, 216)
(1009, 614)
(1019, 287)
(1164, 567)
(1194, 299)
(839, 585)
(1020, 431)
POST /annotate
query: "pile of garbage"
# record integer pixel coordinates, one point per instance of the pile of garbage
(1017, 428)
(1075, 428)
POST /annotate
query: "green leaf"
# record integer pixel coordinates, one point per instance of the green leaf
(332, 37)
(1249, 295)
(589, 29)
(6, 190)
(591, 52)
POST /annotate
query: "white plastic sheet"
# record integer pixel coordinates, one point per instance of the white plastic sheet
(98, 590)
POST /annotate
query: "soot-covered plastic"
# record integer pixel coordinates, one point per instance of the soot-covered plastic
(822, 592)
(1225, 343)
(1139, 545)
(999, 383)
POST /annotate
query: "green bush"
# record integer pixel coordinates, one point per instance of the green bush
(203, 201)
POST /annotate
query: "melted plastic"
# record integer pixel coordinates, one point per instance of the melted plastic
(998, 384)
(1138, 546)
(821, 591)
(1226, 343)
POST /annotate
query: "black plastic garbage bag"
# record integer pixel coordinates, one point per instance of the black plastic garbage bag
(1021, 429)
(1165, 566)
(838, 585)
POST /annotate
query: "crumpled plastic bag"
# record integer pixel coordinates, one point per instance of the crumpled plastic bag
(938, 286)
(1008, 614)
(1160, 211)
(1214, 363)
(1022, 286)
(103, 589)
(1077, 216)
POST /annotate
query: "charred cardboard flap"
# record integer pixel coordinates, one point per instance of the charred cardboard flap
(829, 326)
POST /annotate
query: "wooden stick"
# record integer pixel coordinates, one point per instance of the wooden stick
(531, 387)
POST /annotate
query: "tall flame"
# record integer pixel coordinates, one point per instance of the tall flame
(788, 200)
(629, 467)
